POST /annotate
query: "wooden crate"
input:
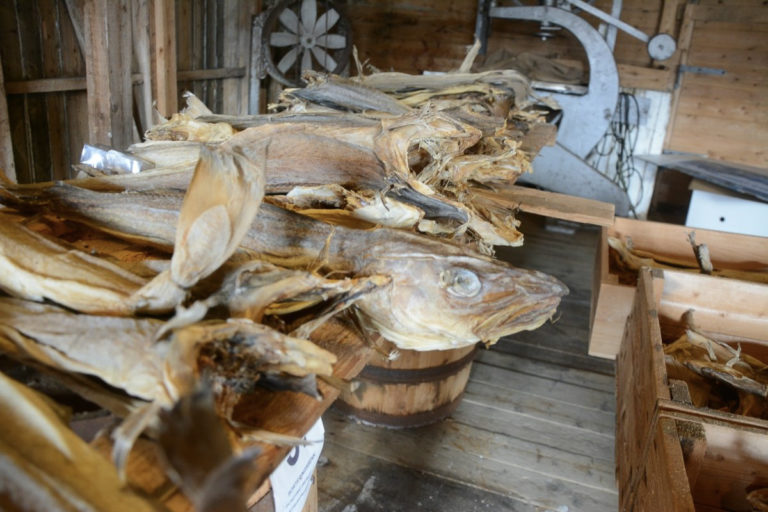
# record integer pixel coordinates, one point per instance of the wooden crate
(612, 301)
(671, 455)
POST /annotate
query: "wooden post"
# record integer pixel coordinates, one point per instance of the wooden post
(163, 47)
(108, 72)
(6, 144)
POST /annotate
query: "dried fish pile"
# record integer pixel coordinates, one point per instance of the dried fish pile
(384, 149)
(169, 296)
(720, 375)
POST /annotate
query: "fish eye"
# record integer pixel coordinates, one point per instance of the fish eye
(460, 282)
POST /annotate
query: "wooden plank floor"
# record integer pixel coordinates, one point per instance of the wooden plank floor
(534, 432)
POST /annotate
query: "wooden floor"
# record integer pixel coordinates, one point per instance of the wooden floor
(535, 430)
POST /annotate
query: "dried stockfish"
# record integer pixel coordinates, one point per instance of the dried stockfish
(237, 353)
(197, 448)
(44, 466)
(37, 268)
(442, 295)
(344, 94)
(119, 351)
(222, 199)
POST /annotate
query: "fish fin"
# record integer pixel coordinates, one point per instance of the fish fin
(209, 232)
(125, 435)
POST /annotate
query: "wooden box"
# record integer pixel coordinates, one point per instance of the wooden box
(612, 301)
(670, 454)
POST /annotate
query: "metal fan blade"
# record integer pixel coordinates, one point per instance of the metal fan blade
(326, 21)
(288, 60)
(332, 41)
(308, 15)
(306, 60)
(280, 39)
(289, 19)
(323, 58)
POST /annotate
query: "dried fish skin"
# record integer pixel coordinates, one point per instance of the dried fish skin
(36, 268)
(222, 199)
(184, 126)
(238, 351)
(395, 81)
(443, 136)
(44, 466)
(122, 352)
(196, 445)
(338, 93)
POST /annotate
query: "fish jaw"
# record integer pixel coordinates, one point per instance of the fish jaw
(424, 310)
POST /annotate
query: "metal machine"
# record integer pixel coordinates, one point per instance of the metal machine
(586, 112)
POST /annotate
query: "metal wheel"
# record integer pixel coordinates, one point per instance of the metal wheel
(305, 34)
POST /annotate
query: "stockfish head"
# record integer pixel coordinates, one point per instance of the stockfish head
(440, 302)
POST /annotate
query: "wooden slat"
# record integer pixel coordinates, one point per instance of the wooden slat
(731, 14)
(640, 380)
(6, 143)
(142, 54)
(550, 204)
(55, 103)
(163, 50)
(211, 74)
(236, 38)
(683, 46)
(108, 72)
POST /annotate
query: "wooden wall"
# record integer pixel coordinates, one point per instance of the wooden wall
(44, 72)
(38, 41)
(725, 117)
(44, 44)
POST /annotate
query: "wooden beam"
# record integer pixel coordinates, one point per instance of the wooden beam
(75, 8)
(142, 55)
(549, 204)
(683, 45)
(668, 25)
(163, 48)
(6, 143)
(46, 85)
(211, 74)
(108, 72)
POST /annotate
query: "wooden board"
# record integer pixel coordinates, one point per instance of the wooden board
(722, 116)
(549, 204)
(612, 301)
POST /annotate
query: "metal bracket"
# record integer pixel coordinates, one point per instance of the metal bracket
(698, 70)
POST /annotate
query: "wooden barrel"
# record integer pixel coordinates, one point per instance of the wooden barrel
(416, 389)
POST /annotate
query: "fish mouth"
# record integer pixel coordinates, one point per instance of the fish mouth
(533, 302)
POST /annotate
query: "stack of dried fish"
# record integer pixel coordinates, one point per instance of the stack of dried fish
(719, 375)
(167, 296)
(384, 149)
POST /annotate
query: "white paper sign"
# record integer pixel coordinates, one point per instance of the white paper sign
(292, 479)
